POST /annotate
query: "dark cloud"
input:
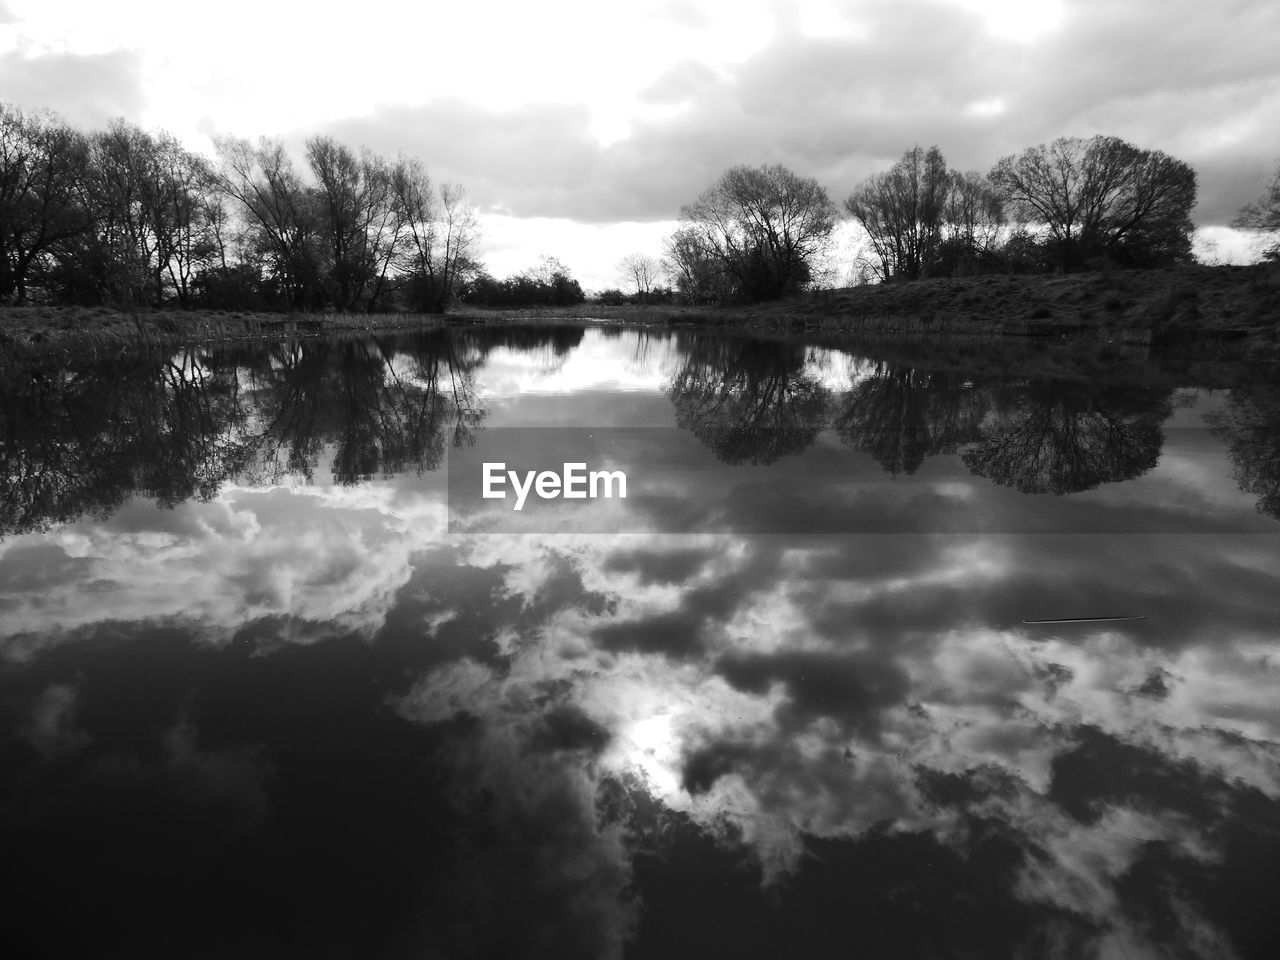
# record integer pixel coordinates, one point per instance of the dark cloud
(1169, 77)
(85, 89)
(1219, 594)
(668, 566)
(677, 634)
(854, 689)
(562, 589)
(459, 608)
(683, 633)
(567, 728)
(1100, 771)
(32, 566)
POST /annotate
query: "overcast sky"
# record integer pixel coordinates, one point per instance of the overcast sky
(580, 128)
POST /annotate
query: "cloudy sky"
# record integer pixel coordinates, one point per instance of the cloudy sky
(580, 128)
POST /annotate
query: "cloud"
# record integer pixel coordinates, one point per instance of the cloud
(261, 557)
(676, 566)
(86, 89)
(954, 736)
(1168, 78)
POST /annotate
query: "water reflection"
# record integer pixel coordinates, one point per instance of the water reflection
(748, 401)
(258, 701)
(1250, 421)
(901, 415)
(1058, 438)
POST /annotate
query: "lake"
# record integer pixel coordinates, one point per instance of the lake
(891, 649)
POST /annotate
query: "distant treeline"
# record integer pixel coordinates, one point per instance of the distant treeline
(127, 216)
(763, 232)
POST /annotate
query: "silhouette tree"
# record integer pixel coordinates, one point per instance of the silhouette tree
(43, 168)
(641, 271)
(1102, 197)
(765, 227)
(924, 220)
(361, 222)
(284, 229)
(973, 225)
(901, 210)
(441, 232)
(692, 268)
(549, 283)
(1263, 215)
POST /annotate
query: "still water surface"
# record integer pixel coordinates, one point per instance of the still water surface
(262, 693)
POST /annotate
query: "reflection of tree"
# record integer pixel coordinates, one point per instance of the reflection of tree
(749, 401)
(1250, 422)
(1063, 438)
(560, 339)
(900, 415)
(381, 409)
(86, 437)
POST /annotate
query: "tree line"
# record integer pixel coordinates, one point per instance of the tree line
(128, 216)
(760, 233)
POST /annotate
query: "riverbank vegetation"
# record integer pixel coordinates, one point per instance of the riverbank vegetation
(122, 235)
(1238, 303)
(132, 219)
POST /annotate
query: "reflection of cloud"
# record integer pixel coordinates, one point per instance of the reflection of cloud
(844, 732)
(325, 556)
(51, 727)
(599, 364)
(231, 780)
(785, 695)
(559, 875)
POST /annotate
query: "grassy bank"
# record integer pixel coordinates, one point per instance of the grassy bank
(52, 329)
(1134, 306)
(1240, 301)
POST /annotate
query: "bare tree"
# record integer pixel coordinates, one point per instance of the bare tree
(43, 164)
(692, 268)
(972, 223)
(280, 213)
(441, 232)
(641, 271)
(902, 212)
(1263, 215)
(124, 191)
(766, 227)
(185, 221)
(362, 223)
(1102, 197)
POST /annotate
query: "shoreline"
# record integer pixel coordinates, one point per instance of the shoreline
(1238, 304)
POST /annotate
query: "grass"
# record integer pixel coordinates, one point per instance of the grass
(51, 329)
(1111, 305)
